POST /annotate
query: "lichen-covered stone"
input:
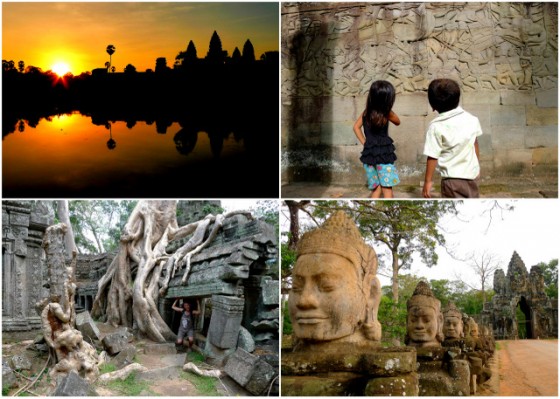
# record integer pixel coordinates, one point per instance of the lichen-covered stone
(405, 385)
(376, 361)
(335, 384)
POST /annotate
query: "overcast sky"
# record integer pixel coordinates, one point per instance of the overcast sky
(531, 229)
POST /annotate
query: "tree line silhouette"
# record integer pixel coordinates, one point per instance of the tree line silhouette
(217, 83)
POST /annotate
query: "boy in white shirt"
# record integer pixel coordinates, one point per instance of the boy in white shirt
(451, 143)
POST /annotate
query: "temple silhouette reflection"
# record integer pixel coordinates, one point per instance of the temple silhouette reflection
(220, 121)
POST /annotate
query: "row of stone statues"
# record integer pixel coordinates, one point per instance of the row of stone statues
(333, 306)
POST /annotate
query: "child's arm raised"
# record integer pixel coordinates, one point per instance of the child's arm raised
(358, 130)
(394, 118)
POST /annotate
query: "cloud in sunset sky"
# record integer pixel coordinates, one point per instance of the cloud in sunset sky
(43, 34)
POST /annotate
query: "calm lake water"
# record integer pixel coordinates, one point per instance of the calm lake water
(70, 157)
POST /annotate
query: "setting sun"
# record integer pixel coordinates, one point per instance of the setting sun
(61, 68)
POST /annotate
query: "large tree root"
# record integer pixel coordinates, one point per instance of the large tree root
(128, 293)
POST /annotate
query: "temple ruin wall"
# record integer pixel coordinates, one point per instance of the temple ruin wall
(504, 55)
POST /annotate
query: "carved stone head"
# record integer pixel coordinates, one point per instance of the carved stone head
(424, 320)
(333, 294)
(473, 328)
(452, 322)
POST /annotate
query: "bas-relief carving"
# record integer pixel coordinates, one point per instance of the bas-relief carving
(338, 49)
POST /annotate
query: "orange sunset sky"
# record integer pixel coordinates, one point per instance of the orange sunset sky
(77, 34)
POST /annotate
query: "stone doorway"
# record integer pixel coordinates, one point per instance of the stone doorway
(523, 313)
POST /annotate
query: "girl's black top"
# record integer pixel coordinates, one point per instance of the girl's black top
(379, 147)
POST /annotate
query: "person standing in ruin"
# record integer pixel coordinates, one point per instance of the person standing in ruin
(186, 326)
(378, 155)
(451, 143)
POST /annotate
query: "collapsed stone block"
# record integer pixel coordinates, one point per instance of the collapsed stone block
(20, 362)
(86, 325)
(124, 357)
(270, 292)
(8, 377)
(227, 313)
(73, 385)
(216, 356)
(117, 341)
(245, 340)
(250, 371)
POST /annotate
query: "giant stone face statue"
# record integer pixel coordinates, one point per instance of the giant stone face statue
(452, 322)
(424, 320)
(335, 292)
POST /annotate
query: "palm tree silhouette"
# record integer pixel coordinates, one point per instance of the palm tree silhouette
(111, 144)
(110, 50)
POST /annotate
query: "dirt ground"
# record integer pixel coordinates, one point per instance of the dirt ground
(528, 367)
(169, 380)
(490, 188)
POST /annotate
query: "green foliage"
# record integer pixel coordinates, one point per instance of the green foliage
(5, 391)
(267, 211)
(550, 274)
(208, 209)
(521, 323)
(471, 301)
(206, 386)
(287, 325)
(107, 368)
(196, 358)
(98, 224)
(129, 386)
(393, 319)
(288, 258)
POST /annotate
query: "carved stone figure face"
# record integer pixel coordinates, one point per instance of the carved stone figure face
(453, 327)
(474, 330)
(422, 326)
(326, 302)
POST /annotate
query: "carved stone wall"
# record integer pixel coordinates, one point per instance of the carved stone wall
(504, 55)
(23, 263)
(526, 290)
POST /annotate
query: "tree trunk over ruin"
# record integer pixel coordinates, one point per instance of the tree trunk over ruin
(58, 313)
(128, 293)
(64, 217)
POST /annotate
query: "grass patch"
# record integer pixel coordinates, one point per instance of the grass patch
(5, 391)
(196, 357)
(498, 346)
(205, 386)
(107, 368)
(129, 386)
